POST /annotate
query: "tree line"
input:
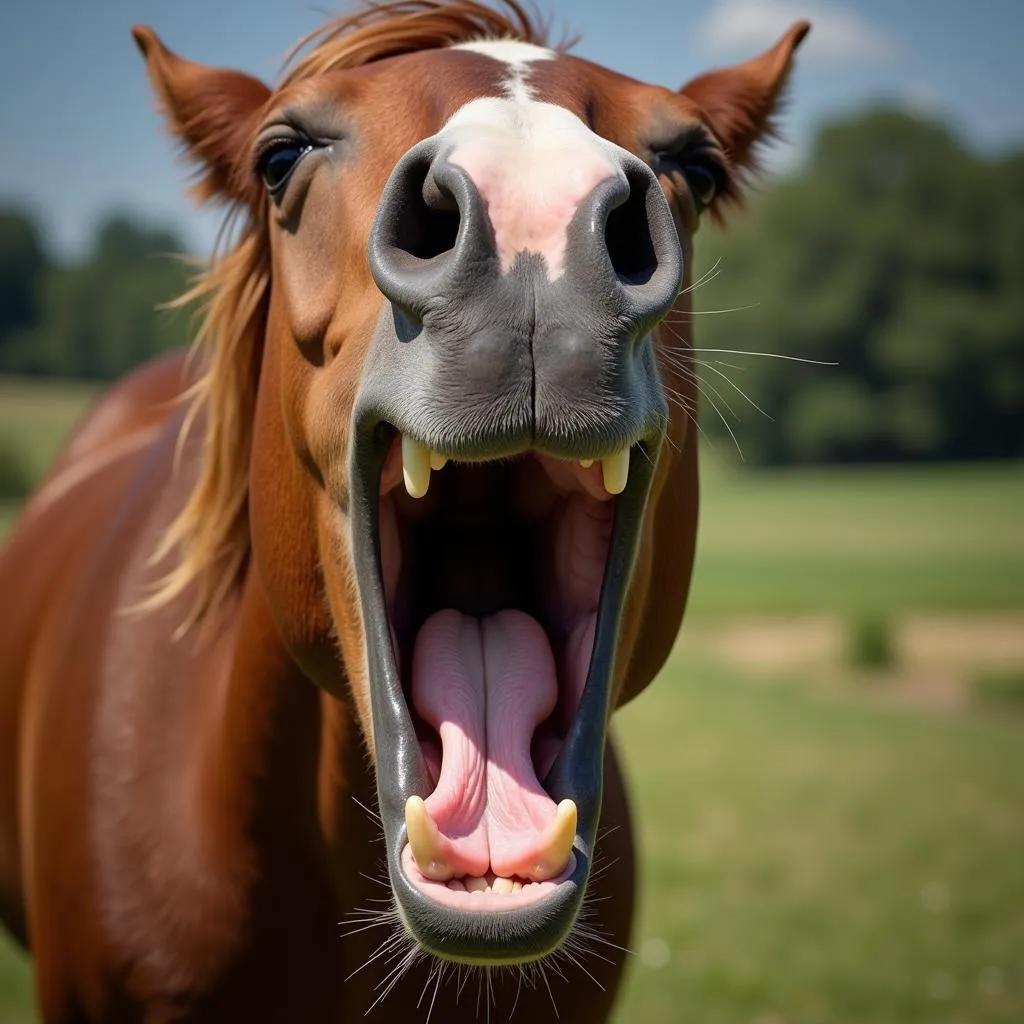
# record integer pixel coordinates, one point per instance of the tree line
(894, 252)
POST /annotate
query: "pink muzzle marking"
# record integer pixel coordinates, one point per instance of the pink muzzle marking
(531, 197)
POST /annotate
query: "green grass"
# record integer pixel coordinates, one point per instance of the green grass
(38, 414)
(15, 984)
(816, 859)
(860, 540)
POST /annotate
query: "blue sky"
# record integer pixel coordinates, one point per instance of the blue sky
(79, 135)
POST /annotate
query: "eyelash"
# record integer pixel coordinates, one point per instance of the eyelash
(265, 152)
(694, 160)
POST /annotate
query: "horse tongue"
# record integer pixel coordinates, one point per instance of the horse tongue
(485, 685)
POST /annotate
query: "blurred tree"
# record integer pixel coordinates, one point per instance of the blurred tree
(894, 251)
(898, 254)
(23, 263)
(100, 317)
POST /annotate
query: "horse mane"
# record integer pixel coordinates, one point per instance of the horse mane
(210, 535)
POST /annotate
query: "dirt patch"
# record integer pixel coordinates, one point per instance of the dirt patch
(936, 657)
(964, 642)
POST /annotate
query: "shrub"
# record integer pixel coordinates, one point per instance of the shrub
(870, 643)
(1004, 690)
(15, 476)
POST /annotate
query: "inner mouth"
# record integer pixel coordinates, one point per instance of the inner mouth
(492, 576)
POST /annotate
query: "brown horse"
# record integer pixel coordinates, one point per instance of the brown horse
(426, 519)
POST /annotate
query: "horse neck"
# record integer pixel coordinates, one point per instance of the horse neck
(286, 712)
(283, 760)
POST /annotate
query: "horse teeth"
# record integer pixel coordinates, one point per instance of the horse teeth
(502, 885)
(426, 841)
(556, 844)
(438, 461)
(517, 886)
(476, 884)
(457, 885)
(415, 467)
(615, 471)
(586, 463)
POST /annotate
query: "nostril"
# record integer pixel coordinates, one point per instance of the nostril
(427, 222)
(627, 234)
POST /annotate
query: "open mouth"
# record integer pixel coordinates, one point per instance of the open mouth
(492, 593)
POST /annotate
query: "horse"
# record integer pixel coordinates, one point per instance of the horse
(311, 636)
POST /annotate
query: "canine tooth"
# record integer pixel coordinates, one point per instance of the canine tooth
(616, 471)
(425, 841)
(556, 844)
(517, 886)
(415, 467)
(476, 884)
(586, 463)
(502, 885)
(438, 461)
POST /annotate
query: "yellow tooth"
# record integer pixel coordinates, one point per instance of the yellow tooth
(502, 885)
(415, 467)
(438, 461)
(476, 884)
(425, 841)
(557, 843)
(586, 463)
(616, 472)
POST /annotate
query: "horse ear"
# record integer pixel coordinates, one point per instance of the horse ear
(739, 102)
(212, 111)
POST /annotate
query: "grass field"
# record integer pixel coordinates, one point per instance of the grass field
(810, 855)
(854, 540)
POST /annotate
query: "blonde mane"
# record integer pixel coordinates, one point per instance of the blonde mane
(208, 542)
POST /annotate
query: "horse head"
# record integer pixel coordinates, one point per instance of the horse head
(443, 421)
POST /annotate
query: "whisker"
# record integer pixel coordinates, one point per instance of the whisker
(575, 960)
(395, 975)
(547, 985)
(437, 985)
(769, 355)
(519, 989)
(706, 278)
(371, 813)
(742, 393)
(684, 319)
(389, 945)
(461, 982)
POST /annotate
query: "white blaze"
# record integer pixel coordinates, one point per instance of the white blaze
(532, 162)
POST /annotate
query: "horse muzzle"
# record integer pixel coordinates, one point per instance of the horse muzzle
(507, 430)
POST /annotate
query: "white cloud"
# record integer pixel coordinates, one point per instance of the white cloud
(746, 27)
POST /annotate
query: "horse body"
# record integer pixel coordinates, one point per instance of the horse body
(187, 782)
(197, 850)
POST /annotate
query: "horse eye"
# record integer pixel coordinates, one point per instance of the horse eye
(277, 164)
(703, 184)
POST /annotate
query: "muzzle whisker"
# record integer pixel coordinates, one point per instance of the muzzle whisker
(388, 946)
(547, 984)
(373, 814)
(740, 391)
(768, 355)
(395, 975)
(706, 278)
(685, 318)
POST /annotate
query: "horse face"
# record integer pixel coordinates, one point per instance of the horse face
(472, 249)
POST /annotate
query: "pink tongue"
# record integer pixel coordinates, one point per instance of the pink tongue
(485, 685)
